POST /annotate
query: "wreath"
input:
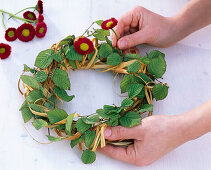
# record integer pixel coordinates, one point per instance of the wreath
(46, 84)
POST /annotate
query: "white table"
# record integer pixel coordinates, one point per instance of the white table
(188, 75)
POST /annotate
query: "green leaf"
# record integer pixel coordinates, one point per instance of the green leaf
(68, 127)
(73, 55)
(82, 126)
(76, 141)
(160, 91)
(100, 34)
(108, 41)
(88, 156)
(101, 113)
(99, 22)
(24, 105)
(53, 139)
(130, 56)
(56, 115)
(61, 79)
(36, 108)
(73, 64)
(142, 78)
(154, 54)
(91, 55)
(126, 81)
(89, 138)
(145, 60)
(44, 59)
(141, 95)
(114, 59)
(105, 50)
(34, 95)
(57, 57)
(41, 76)
(130, 119)
(134, 90)
(91, 119)
(26, 114)
(157, 67)
(127, 102)
(134, 67)
(30, 81)
(39, 123)
(28, 68)
(67, 40)
(63, 94)
(146, 108)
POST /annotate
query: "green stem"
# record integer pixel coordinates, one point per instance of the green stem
(3, 21)
(22, 19)
(21, 11)
(87, 29)
(115, 34)
(120, 51)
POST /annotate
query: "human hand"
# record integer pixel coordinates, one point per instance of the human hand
(155, 137)
(140, 26)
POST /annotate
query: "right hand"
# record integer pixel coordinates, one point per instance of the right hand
(140, 26)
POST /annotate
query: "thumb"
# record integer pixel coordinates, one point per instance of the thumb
(131, 40)
(120, 132)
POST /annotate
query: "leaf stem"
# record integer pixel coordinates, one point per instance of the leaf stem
(3, 21)
(22, 19)
(21, 11)
(87, 29)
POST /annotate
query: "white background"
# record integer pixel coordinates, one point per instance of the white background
(188, 75)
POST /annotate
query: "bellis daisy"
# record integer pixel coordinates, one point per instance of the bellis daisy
(25, 32)
(5, 51)
(40, 18)
(84, 46)
(109, 24)
(41, 30)
(10, 34)
(29, 15)
(40, 6)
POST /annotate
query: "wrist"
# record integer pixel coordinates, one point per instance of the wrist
(197, 122)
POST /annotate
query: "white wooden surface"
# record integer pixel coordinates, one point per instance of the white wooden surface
(188, 75)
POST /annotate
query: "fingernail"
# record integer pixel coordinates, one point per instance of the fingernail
(107, 132)
(122, 44)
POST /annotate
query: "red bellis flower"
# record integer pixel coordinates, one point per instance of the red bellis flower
(5, 51)
(40, 18)
(40, 6)
(29, 15)
(41, 30)
(109, 24)
(84, 46)
(25, 32)
(10, 34)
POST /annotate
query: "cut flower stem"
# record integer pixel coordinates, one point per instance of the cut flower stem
(22, 19)
(21, 11)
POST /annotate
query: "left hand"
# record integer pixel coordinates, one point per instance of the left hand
(153, 138)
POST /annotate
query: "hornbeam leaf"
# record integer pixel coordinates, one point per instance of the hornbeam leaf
(61, 79)
(44, 59)
(160, 91)
(39, 123)
(88, 156)
(130, 119)
(30, 81)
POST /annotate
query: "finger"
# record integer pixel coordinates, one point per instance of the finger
(129, 19)
(127, 154)
(120, 132)
(132, 40)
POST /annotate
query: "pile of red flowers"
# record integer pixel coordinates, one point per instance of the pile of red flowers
(33, 26)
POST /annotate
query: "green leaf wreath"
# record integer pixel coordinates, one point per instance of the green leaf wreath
(46, 84)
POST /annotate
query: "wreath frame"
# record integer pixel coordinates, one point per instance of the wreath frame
(49, 81)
